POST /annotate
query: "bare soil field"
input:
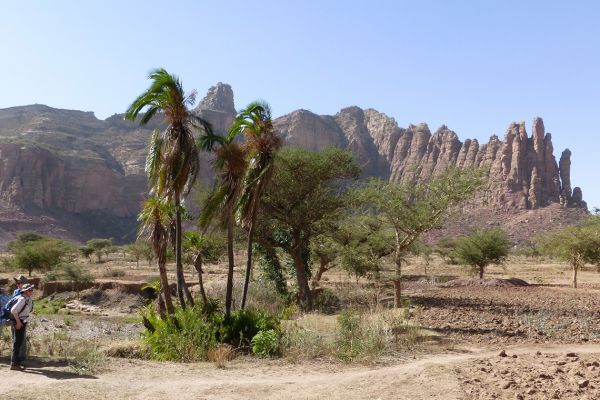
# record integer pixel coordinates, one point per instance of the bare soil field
(490, 341)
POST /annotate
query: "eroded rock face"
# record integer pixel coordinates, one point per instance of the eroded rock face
(522, 168)
(217, 107)
(65, 172)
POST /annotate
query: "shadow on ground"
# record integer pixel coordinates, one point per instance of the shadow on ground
(53, 369)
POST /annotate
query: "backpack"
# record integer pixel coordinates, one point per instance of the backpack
(6, 308)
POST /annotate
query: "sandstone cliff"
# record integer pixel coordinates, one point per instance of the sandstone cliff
(522, 169)
(69, 174)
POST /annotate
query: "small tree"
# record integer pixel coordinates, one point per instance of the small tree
(100, 246)
(482, 248)
(24, 237)
(357, 245)
(576, 245)
(424, 251)
(305, 192)
(413, 209)
(137, 250)
(199, 249)
(43, 254)
(86, 252)
(444, 248)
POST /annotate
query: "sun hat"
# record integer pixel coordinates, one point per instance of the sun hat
(21, 279)
(27, 286)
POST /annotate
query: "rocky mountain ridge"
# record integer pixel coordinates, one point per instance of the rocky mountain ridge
(66, 173)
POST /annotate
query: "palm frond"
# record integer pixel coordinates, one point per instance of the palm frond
(213, 205)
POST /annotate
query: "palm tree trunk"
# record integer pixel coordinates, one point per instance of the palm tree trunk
(188, 294)
(575, 268)
(248, 264)
(161, 306)
(304, 290)
(164, 286)
(198, 267)
(178, 263)
(229, 289)
(481, 272)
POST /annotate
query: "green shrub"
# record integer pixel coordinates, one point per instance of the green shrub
(210, 309)
(349, 343)
(69, 272)
(242, 325)
(113, 273)
(266, 343)
(327, 302)
(189, 334)
(185, 336)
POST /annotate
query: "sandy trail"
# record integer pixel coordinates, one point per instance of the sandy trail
(431, 377)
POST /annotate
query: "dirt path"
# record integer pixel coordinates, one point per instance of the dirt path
(431, 377)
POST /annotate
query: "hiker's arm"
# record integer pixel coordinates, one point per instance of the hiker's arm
(18, 324)
(15, 312)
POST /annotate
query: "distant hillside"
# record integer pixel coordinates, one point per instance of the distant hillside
(68, 174)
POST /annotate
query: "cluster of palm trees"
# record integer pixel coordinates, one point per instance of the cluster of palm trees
(243, 169)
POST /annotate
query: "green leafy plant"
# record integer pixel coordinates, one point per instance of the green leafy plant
(266, 343)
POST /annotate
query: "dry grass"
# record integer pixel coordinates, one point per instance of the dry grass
(220, 355)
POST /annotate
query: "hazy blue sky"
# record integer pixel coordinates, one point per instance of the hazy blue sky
(472, 65)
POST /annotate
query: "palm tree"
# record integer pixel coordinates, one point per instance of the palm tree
(261, 143)
(230, 162)
(155, 219)
(173, 168)
(202, 248)
(194, 246)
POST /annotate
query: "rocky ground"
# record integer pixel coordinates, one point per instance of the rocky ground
(510, 315)
(495, 339)
(538, 375)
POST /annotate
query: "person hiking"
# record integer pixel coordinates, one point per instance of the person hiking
(20, 316)
(19, 281)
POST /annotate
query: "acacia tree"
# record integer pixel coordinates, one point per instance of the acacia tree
(261, 144)
(482, 248)
(355, 244)
(576, 245)
(416, 208)
(306, 190)
(42, 254)
(99, 246)
(173, 160)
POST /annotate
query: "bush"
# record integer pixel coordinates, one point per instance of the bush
(349, 342)
(327, 302)
(242, 325)
(69, 272)
(367, 336)
(220, 355)
(266, 343)
(185, 336)
(113, 273)
(189, 334)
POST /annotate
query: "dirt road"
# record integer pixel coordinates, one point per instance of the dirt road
(448, 376)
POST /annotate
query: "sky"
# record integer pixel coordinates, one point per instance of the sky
(475, 66)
